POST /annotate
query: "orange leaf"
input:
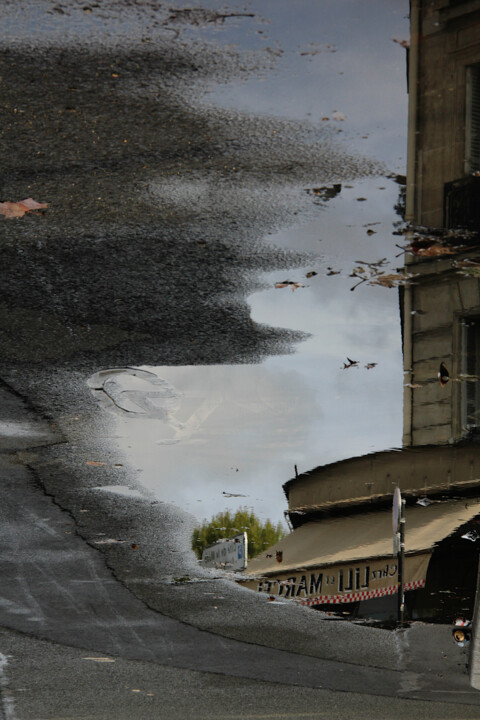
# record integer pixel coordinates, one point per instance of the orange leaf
(12, 210)
(32, 204)
(18, 209)
(429, 249)
(389, 281)
(95, 463)
(435, 250)
(288, 283)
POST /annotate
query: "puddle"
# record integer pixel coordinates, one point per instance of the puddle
(381, 394)
(242, 429)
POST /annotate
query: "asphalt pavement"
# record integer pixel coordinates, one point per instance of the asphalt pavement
(150, 246)
(77, 642)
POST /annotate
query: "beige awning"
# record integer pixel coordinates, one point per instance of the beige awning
(362, 536)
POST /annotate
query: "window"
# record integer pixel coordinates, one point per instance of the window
(472, 120)
(471, 374)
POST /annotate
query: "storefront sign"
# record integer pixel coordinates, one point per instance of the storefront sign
(345, 583)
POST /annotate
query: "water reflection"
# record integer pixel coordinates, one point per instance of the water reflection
(188, 429)
(204, 434)
(242, 429)
(340, 552)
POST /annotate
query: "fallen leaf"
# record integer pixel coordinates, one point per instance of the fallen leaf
(199, 16)
(433, 251)
(18, 209)
(350, 363)
(402, 42)
(134, 546)
(371, 232)
(331, 271)
(230, 495)
(317, 49)
(327, 192)
(369, 366)
(288, 283)
(389, 281)
(413, 385)
(99, 659)
(96, 463)
(310, 274)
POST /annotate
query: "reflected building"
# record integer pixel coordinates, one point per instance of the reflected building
(340, 552)
(441, 308)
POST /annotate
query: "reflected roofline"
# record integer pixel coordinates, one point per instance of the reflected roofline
(372, 478)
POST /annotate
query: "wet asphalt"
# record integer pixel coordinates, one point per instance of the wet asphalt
(159, 206)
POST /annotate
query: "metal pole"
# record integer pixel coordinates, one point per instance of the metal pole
(401, 566)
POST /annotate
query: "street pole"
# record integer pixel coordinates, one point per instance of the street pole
(401, 566)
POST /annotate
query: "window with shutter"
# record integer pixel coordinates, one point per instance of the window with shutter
(472, 144)
(471, 374)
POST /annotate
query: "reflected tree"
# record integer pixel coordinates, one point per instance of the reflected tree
(225, 524)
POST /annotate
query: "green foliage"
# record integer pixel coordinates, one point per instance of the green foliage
(225, 525)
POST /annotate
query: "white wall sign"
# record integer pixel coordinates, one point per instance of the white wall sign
(230, 553)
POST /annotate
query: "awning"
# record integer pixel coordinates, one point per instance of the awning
(350, 558)
(365, 535)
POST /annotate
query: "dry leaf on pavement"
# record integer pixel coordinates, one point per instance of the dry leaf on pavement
(18, 209)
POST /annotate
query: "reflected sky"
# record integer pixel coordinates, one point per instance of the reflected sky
(333, 60)
(246, 426)
(242, 429)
